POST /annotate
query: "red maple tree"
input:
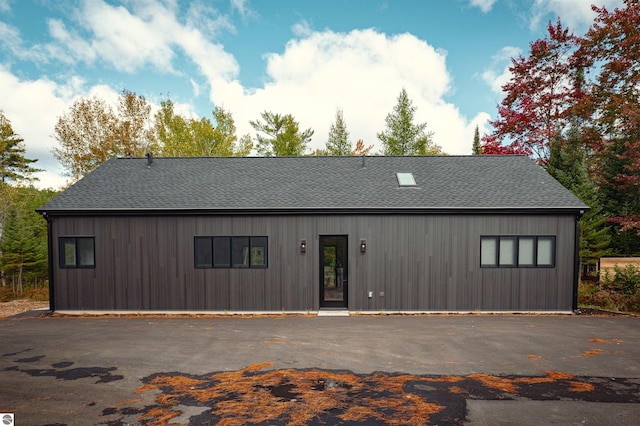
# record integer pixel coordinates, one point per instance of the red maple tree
(611, 46)
(538, 98)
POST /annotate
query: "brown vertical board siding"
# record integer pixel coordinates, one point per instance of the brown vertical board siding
(418, 262)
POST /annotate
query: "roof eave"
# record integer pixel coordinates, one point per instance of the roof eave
(573, 210)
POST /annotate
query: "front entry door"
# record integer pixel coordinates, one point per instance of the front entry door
(333, 271)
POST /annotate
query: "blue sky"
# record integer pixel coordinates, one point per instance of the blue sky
(303, 57)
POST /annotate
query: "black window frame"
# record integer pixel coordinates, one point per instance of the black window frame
(254, 245)
(534, 254)
(514, 254)
(226, 261)
(496, 257)
(240, 252)
(202, 260)
(553, 251)
(516, 259)
(229, 259)
(75, 240)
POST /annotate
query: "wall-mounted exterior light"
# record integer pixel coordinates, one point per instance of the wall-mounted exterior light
(363, 246)
(303, 246)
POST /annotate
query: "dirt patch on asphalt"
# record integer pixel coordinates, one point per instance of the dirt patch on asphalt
(603, 313)
(15, 307)
(256, 395)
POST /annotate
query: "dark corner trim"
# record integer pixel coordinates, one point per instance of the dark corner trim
(52, 299)
(576, 262)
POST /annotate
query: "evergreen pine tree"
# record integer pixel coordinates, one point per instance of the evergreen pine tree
(279, 135)
(19, 247)
(402, 136)
(338, 143)
(476, 148)
(568, 165)
(23, 244)
(14, 166)
(618, 200)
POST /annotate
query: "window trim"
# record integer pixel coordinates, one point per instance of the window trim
(515, 244)
(536, 238)
(534, 254)
(496, 248)
(241, 243)
(406, 180)
(201, 265)
(252, 243)
(219, 265)
(264, 246)
(63, 240)
(553, 251)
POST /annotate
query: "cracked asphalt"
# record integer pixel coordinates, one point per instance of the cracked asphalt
(448, 369)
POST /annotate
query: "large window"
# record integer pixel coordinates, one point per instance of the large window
(230, 252)
(77, 252)
(517, 251)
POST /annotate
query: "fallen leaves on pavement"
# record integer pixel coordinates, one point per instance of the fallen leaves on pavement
(258, 395)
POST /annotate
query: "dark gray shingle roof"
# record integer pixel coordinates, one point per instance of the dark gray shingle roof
(315, 183)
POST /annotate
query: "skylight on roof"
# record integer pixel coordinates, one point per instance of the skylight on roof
(406, 179)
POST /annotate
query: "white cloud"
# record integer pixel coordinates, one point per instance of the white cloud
(575, 14)
(128, 41)
(34, 106)
(361, 72)
(201, 52)
(243, 9)
(497, 73)
(4, 6)
(12, 41)
(207, 19)
(302, 29)
(69, 47)
(66, 46)
(484, 5)
(196, 87)
(148, 35)
(10, 37)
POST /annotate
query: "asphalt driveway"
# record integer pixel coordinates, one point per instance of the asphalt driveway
(468, 369)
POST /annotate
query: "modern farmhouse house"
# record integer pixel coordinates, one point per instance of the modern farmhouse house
(303, 234)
